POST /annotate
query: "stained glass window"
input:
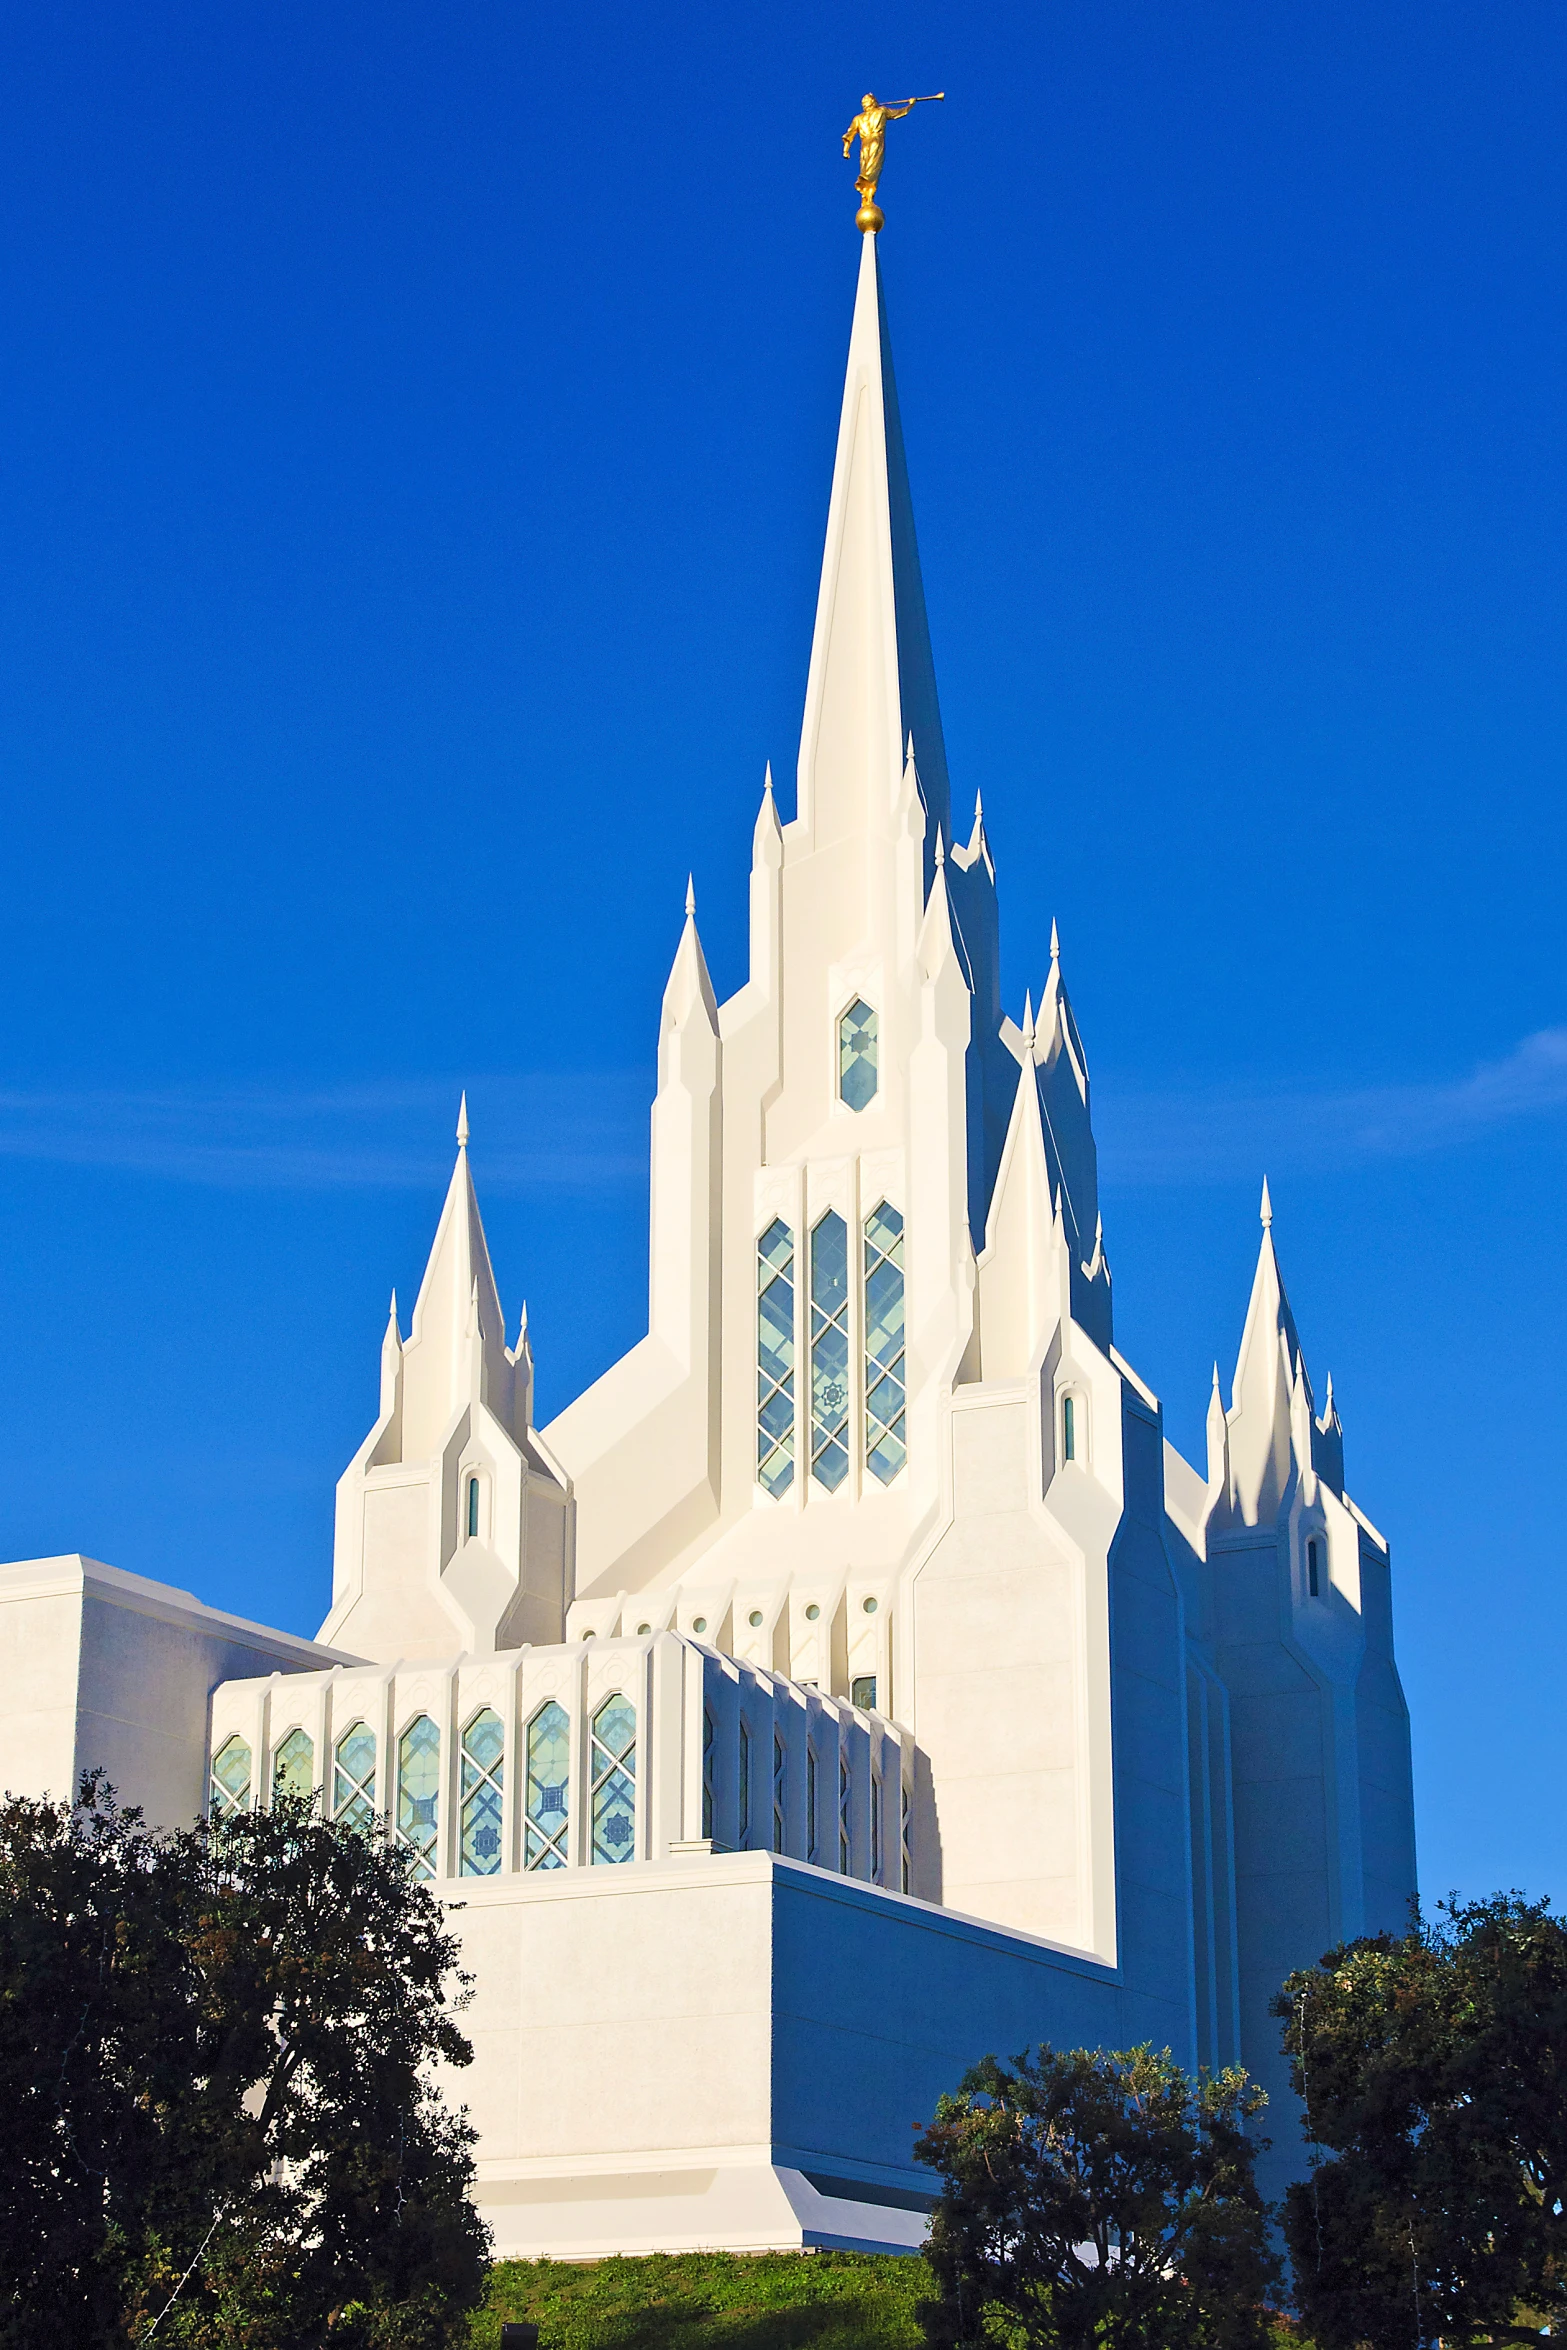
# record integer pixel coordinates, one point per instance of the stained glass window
(857, 1055)
(230, 1785)
(615, 1780)
(843, 1815)
(778, 1792)
(473, 1507)
(875, 1827)
(419, 1791)
(483, 1766)
(744, 1836)
(775, 1358)
(707, 1774)
(294, 1765)
(884, 1446)
(549, 1771)
(353, 1778)
(905, 1837)
(830, 1351)
(1069, 1428)
(810, 1803)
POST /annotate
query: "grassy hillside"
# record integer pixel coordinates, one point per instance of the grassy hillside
(712, 2301)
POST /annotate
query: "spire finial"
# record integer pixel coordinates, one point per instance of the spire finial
(1028, 1020)
(1215, 1378)
(1055, 941)
(941, 853)
(767, 782)
(979, 807)
(1267, 1207)
(462, 1123)
(391, 1311)
(690, 896)
(870, 128)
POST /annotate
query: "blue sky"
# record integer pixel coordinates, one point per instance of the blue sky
(415, 429)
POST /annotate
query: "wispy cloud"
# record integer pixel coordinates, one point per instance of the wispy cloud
(1205, 1136)
(545, 1131)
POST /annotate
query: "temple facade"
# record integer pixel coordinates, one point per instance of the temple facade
(854, 1679)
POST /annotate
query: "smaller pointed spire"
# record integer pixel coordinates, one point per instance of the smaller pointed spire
(941, 854)
(1028, 1021)
(979, 806)
(1267, 1207)
(462, 1123)
(391, 1317)
(522, 1323)
(1055, 941)
(1327, 1400)
(690, 896)
(767, 782)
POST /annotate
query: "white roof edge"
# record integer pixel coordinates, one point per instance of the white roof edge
(50, 1578)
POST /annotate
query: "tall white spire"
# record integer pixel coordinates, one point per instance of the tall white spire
(872, 682)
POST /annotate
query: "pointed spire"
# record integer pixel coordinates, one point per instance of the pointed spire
(462, 1123)
(690, 896)
(391, 1324)
(1028, 1021)
(1055, 942)
(941, 854)
(1267, 1207)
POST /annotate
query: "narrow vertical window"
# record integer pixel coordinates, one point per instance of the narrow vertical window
(294, 1765)
(884, 1382)
(843, 1815)
(810, 1803)
(615, 1780)
(483, 1750)
(549, 1770)
(744, 1836)
(419, 1792)
(707, 1775)
(857, 1078)
(1069, 1428)
(876, 1827)
(1313, 1574)
(905, 1835)
(473, 1508)
(830, 1351)
(353, 1778)
(229, 1789)
(775, 1358)
(778, 1793)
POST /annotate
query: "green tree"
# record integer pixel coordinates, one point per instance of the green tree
(218, 2122)
(1097, 2197)
(1433, 2066)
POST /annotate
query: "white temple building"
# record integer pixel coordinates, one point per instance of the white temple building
(853, 1680)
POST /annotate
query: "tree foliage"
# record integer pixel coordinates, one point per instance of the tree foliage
(1097, 2198)
(1433, 2065)
(217, 2116)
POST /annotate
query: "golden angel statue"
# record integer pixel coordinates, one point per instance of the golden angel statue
(870, 128)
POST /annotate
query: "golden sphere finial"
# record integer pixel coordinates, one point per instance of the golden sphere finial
(869, 219)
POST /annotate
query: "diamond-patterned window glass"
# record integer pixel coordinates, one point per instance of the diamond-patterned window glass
(419, 1791)
(230, 1786)
(775, 1358)
(830, 1351)
(904, 1838)
(778, 1792)
(615, 1780)
(884, 1447)
(857, 1055)
(707, 1774)
(483, 1767)
(843, 1815)
(549, 1773)
(294, 1765)
(353, 1778)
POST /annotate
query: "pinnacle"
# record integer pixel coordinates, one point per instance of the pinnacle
(1028, 1020)
(691, 894)
(767, 782)
(1267, 1207)
(941, 854)
(1055, 941)
(462, 1123)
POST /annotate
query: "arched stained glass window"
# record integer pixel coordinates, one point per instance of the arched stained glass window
(549, 1770)
(353, 1778)
(229, 1789)
(843, 1815)
(775, 1358)
(615, 1780)
(419, 1791)
(830, 1351)
(473, 1507)
(1069, 1427)
(483, 1767)
(778, 1792)
(885, 1452)
(294, 1765)
(857, 1077)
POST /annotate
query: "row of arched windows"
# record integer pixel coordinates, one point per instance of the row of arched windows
(827, 1339)
(416, 1797)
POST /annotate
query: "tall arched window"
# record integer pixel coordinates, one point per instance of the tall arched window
(830, 1351)
(778, 1792)
(1069, 1427)
(473, 1508)
(884, 1378)
(857, 1072)
(744, 1836)
(353, 1778)
(843, 1815)
(483, 1767)
(294, 1765)
(707, 1774)
(810, 1803)
(1313, 1569)
(419, 1791)
(615, 1780)
(549, 1768)
(775, 1358)
(905, 1835)
(876, 1827)
(229, 1788)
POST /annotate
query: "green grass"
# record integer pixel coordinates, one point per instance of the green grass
(712, 2301)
